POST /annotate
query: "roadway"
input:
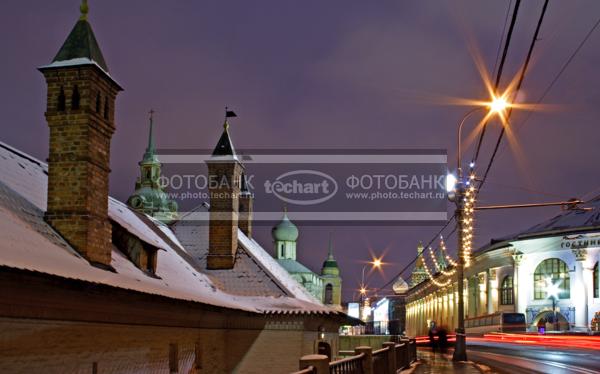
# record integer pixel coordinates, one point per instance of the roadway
(519, 358)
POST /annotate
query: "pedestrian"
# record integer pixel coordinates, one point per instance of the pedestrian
(541, 325)
(442, 339)
(432, 335)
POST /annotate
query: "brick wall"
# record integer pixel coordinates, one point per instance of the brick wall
(43, 346)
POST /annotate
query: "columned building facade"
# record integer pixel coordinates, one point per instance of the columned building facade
(555, 262)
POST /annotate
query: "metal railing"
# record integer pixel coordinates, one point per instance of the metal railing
(380, 360)
(350, 365)
(388, 360)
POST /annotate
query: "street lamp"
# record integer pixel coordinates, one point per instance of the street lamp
(553, 291)
(376, 264)
(496, 106)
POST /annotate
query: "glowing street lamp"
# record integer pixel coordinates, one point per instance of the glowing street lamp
(375, 264)
(498, 104)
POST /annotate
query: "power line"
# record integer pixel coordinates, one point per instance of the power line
(513, 21)
(393, 279)
(498, 77)
(561, 71)
(502, 37)
(519, 84)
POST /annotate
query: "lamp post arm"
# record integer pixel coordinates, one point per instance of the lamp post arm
(459, 136)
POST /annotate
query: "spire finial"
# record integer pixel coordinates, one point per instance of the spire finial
(84, 9)
(151, 134)
(285, 209)
(330, 254)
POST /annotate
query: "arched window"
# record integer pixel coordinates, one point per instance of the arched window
(75, 98)
(98, 102)
(60, 105)
(328, 294)
(551, 270)
(506, 291)
(596, 281)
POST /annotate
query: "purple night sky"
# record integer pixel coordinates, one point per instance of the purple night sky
(325, 74)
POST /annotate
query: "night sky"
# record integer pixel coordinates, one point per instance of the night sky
(326, 74)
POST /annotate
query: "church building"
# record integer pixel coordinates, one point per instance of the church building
(326, 286)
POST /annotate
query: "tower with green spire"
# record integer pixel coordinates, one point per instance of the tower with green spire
(419, 274)
(332, 281)
(441, 261)
(327, 286)
(149, 196)
(285, 236)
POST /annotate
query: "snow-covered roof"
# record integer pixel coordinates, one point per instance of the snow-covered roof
(255, 270)
(579, 218)
(79, 61)
(27, 242)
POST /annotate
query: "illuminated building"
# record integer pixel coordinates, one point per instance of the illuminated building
(516, 273)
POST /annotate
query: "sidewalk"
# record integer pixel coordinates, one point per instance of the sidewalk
(438, 363)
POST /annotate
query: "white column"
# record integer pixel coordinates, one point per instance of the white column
(525, 285)
(579, 291)
(490, 276)
(517, 257)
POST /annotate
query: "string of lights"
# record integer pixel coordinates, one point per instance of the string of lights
(433, 278)
(439, 268)
(445, 252)
(393, 279)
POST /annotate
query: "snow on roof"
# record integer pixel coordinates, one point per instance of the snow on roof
(277, 271)
(27, 242)
(79, 61)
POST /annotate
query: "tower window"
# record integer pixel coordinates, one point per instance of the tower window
(98, 102)
(328, 294)
(106, 108)
(61, 104)
(75, 98)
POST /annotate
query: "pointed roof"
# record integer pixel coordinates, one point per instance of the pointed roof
(224, 145)
(150, 154)
(330, 262)
(81, 43)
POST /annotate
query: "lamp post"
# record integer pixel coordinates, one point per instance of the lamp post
(460, 348)
(376, 264)
(553, 291)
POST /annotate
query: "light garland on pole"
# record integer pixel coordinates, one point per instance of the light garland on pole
(467, 219)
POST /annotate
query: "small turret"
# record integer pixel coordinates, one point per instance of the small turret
(149, 196)
(332, 281)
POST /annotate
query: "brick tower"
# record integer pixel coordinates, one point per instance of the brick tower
(80, 115)
(224, 173)
(246, 208)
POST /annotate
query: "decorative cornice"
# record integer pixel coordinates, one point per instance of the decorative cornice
(580, 254)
